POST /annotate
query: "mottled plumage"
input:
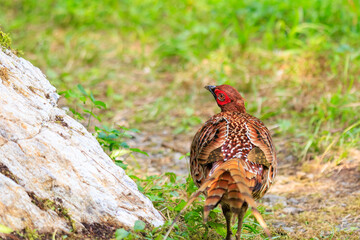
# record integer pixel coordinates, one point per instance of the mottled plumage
(232, 159)
(230, 135)
(236, 139)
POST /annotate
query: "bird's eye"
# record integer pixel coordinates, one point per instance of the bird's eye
(221, 97)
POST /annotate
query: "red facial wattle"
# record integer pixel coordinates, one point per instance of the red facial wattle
(225, 100)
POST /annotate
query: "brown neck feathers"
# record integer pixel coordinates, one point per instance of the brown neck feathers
(237, 106)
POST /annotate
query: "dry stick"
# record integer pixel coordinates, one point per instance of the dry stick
(193, 197)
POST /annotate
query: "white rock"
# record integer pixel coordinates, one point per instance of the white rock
(271, 200)
(54, 156)
(292, 210)
(16, 208)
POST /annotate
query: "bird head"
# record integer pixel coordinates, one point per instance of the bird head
(227, 98)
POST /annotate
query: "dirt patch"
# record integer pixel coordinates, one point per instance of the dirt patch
(99, 231)
(166, 152)
(322, 203)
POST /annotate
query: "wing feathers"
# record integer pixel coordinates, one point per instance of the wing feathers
(260, 136)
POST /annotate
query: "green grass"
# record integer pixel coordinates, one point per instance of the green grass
(5, 43)
(170, 197)
(296, 62)
(5, 40)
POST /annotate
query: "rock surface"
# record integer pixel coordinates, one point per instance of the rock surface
(48, 159)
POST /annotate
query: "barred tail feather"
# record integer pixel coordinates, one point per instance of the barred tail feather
(228, 183)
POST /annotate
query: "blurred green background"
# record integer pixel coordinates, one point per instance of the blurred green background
(296, 62)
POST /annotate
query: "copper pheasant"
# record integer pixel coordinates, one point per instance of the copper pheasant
(232, 159)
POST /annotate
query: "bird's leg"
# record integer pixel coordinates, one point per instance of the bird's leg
(227, 214)
(240, 220)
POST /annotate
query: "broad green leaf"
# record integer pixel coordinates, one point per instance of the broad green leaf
(121, 234)
(121, 164)
(219, 228)
(119, 153)
(180, 206)
(83, 99)
(139, 151)
(154, 198)
(139, 225)
(124, 145)
(92, 98)
(100, 103)
(186, 155)
(82, 90)
(156, 187)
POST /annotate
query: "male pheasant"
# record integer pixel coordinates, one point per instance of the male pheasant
(232, 160)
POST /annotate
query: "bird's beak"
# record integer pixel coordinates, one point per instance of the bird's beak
(211, 89)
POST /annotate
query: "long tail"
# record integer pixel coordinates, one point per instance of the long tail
(228, 178)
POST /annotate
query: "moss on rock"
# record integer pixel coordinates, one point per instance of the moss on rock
(5, 43)
(5, 40)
